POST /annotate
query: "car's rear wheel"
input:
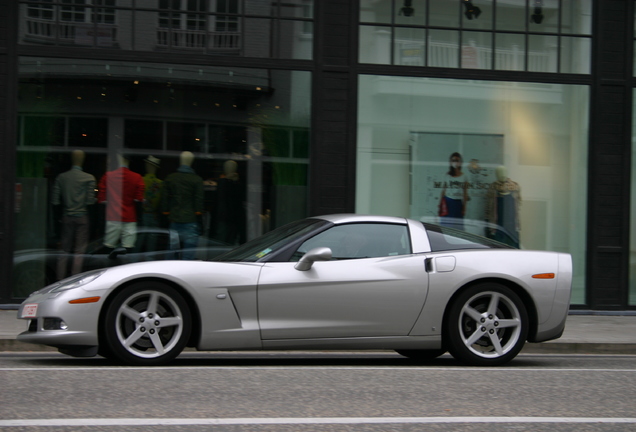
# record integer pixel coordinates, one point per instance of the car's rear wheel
(421, 354)
(147, 324)
(487, 325)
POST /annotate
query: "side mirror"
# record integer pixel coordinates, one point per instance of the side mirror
(316, 254)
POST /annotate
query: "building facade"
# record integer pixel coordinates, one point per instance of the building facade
(508, 118)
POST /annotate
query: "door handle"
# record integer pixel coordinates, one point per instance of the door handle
(428, 265)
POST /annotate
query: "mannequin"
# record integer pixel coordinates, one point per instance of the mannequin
(501, 173)
(504, 202)
(152, 193)
(120, 190)
(229, 169)
(454, 196)
(182, 200)
(77, 158)
(74, 191)
(186, 158)
(123, 160)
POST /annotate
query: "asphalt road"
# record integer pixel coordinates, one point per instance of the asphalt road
(317, 392)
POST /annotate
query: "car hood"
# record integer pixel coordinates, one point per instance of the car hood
(191, 275)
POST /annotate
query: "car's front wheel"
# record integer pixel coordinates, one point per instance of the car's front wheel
(147, 324)
(487, 325)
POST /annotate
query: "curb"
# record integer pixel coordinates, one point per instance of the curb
(579, 348)
(13, 345)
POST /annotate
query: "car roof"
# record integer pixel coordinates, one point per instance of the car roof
(352, 217)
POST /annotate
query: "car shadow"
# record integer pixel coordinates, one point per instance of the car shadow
(280, 359)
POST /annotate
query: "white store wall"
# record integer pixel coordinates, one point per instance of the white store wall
(544, 129)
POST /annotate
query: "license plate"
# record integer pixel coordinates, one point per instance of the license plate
(30, 310)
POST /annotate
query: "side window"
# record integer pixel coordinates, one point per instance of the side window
(360, 241)
(447, 239)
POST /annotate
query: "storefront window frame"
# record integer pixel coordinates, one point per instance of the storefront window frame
(466, 60)
(631, 293)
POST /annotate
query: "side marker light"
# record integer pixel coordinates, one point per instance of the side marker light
(544, 276)
(85, 300)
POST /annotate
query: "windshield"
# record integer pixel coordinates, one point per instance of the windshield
(260, 247)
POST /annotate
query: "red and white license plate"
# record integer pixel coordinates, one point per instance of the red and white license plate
(30, 310)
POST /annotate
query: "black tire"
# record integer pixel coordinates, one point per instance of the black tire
(147, 324)
(421, 354)
(104, 351)
(487, 325)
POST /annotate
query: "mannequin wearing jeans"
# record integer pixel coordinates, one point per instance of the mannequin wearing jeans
(182, 201)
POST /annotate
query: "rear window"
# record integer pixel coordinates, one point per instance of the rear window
(447, 239)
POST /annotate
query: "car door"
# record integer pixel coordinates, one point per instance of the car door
(374, 289)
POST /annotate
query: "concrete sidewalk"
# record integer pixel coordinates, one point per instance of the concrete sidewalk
(585, 333)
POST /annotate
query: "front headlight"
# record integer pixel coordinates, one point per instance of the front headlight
(78, 280)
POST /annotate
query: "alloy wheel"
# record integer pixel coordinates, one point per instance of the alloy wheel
(487, 325)
(148, 324)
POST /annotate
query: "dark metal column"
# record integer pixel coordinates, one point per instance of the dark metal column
(334, 105)
(8, 116)
(610, 155)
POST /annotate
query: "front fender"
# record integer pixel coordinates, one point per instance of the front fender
(224, 293)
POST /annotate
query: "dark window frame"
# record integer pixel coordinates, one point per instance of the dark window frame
(527, 33)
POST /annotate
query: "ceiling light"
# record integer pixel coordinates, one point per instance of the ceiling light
(537, 16)
(472, 11)
(407, 9)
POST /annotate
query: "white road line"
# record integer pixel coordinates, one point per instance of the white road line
(360, 368)
(301, 421)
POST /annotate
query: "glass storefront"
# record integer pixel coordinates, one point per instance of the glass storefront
(521, 147)
(122, 162)
(507, 160)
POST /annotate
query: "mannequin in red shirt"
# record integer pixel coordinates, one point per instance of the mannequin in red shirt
(120, 189)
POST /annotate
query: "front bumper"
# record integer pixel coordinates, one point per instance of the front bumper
(59, 323)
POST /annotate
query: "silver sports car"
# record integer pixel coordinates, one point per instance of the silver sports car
(330, 283)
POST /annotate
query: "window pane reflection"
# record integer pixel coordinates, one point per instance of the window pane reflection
(151, 161)
(221, 27)
(510, 52)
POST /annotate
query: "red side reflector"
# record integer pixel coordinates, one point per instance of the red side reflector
(544, 276)
(85, 300)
